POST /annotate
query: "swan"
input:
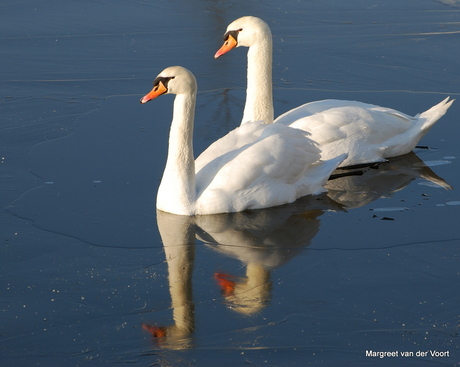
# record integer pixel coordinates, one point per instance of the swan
(368, 133)
(254, 166)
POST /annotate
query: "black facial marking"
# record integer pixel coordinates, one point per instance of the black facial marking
(234, 34)
(164, 80)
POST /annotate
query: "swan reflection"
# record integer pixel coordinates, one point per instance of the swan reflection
(357, 188)
(262, 240)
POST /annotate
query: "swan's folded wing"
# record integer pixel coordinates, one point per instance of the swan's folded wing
(370, 126)
(291, 152)
(225, 146)
(317, 107)
(280, 155)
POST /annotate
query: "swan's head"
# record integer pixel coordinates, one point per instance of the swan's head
(172, 80)
(245, 31)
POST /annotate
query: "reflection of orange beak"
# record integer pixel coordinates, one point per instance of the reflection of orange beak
(157, 91)
(229, 44)
(156, 331)
(227, 285)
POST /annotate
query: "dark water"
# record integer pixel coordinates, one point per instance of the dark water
(373, 266)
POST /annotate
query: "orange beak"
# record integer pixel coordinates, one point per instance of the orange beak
(229, 44)
(157, 91)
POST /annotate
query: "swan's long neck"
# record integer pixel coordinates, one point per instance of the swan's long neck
(259, 96)
(177, 191)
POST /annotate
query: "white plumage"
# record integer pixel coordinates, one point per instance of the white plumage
(368, 133)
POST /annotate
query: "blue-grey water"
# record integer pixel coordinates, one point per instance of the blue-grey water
(336, 280)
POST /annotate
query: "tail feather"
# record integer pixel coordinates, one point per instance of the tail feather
(434, 113)
(322, 170)
(335, 162)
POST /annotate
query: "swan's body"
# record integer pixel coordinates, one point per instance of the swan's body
(255, 166)
(366, 132)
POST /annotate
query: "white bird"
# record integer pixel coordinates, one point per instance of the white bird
(368, 133)
(254, 166)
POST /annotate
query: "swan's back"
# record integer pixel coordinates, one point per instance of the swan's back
(375, 123)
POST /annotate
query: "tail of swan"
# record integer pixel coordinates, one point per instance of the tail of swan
(322, 171)
(429, 117)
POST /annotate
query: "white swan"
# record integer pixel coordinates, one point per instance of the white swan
(366, 132)
(254, 166)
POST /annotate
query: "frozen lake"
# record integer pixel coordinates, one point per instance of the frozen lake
(341, 279)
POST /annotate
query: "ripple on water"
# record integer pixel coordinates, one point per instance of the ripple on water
(433, 163)
(450, 203)
(390, 209)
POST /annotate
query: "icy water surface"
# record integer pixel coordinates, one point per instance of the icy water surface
(92, 275)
